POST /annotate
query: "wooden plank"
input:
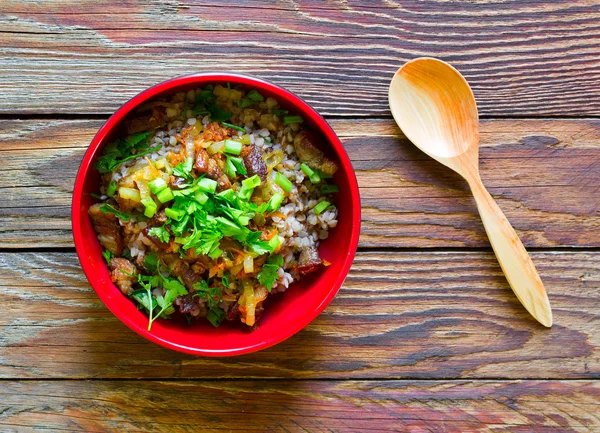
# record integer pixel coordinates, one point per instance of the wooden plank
(544, 174)
(522, 58)
(316, 406)
(399, 315)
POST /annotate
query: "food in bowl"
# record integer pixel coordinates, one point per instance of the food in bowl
(213, 200)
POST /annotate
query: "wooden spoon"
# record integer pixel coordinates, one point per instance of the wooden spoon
(435, 108)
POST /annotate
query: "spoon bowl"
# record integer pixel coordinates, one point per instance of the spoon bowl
(435, 108)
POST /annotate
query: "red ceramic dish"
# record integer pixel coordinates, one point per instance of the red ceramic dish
(286, 313)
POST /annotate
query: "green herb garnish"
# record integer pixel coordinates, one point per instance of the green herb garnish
(268, 273)
(107, 208)
(237, 128)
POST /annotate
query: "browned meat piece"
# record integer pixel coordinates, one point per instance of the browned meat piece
(232, 312)
(214, 170)
(253, 162)
(158, 219)
(202, 159)
(181, 269)
(147, 122)
(108, 229)
(189, 304)
(223, 183)
(177, 182)
(311, 155)
(124, 274)
(309, 261)
(126, 205)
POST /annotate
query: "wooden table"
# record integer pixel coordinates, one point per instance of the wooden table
(425, 335)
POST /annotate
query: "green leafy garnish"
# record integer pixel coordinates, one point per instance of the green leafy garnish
(231, 126)
(119, 151)
(216, 317)
(161, 233)
(206, 104)
(151, 262)
(268, 273)
(107, 256)
(207, 294)
(107, 208)
(184, 169)
(253, 95)
(244, 103)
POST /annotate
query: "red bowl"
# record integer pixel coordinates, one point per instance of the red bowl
(285, 313)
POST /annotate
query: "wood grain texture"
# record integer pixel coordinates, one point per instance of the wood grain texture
(526, 58)
(399, 315)
(307, 406)
(543, 173)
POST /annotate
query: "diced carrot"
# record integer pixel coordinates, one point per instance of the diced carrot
(268, 235)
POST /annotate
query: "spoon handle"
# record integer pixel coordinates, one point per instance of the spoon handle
(512, 256)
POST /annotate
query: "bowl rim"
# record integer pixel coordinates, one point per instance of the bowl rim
(198, 78)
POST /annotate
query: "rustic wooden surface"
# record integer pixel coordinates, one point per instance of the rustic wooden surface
(425, 335)
(542, 172)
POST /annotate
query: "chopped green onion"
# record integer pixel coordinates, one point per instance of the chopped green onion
(237, 128)
(165, 195)
(312, 175)
(244, 103)
(275, 202)
(230, 170)
(112, 188)
(251, 182)
(292, 119)
(174, 214)
(200, 197)
(329, 188)
(233, 147)
(306, 169)
(150, 207)
(274, 242)
(207, 185)
(239, 164)
(96, 196)
(157, 185)
(320, 207)
(283, 182)
(253, 95)
(228, 194)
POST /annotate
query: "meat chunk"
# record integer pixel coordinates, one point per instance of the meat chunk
(181, 269)
(309, 261)
(123, 274)
(253, 162)
(189, 305)
(311, 155)
(148, 122)
(177, 182)
(202, 160)
(214, 169)
(108, 229)
(232, 311)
